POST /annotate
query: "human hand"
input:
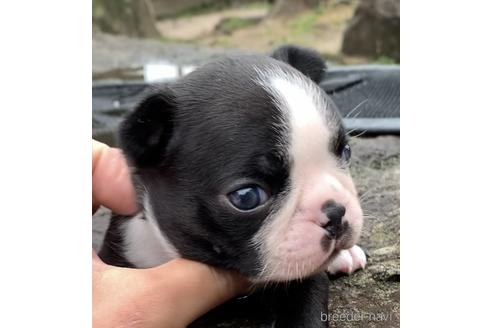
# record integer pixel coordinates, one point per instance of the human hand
(171, 295)
(111, 183)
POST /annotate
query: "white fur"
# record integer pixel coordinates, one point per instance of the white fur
(146, 245)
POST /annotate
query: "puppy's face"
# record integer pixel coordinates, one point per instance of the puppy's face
(243, 164)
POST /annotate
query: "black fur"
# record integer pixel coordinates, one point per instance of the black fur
(339, 141)
(307, 61)
(146, 132)
(112, 249)
(296, 304)
(300, 304)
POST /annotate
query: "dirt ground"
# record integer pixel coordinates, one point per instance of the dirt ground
(193, 28)
(371, 298)
(252, 28)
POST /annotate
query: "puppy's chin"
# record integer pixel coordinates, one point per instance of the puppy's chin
(305, 250)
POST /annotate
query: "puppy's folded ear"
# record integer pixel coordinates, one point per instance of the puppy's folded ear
(145, 133)
(307, 61)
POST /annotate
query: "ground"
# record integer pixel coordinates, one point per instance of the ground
(374, 292)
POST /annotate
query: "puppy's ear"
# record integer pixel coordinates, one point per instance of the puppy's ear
(145, 133)
(307, 61)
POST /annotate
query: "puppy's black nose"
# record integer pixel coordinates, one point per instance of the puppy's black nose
(335, 212)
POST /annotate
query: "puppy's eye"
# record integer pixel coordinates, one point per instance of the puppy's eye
(248, 198)
(346, 153)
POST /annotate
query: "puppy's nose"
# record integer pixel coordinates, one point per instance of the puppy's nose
(335, 212)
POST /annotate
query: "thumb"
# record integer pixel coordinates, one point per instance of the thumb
(111, 182)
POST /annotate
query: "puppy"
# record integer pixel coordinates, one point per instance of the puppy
(243, 165)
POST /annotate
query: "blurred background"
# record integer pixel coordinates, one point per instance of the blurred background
(136, 43)
(140, 42)
(127, 34)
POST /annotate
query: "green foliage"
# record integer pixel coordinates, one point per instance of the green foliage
(385, 60)
(257, 5)
(232, 24)
(213, 6)
(303, 24)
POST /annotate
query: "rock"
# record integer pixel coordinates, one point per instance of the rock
(131, 18)
(374, 31)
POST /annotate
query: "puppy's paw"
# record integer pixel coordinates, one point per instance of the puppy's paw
(348, 261)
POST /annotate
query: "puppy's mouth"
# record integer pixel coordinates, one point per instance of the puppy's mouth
(333, 246)
(300, 257)
(337, 238)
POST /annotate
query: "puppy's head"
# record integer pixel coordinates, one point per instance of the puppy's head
(243, 164)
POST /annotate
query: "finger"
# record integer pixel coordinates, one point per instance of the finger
(189, 290)
(111, 182)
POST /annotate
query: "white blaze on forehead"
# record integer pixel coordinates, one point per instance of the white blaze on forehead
(302, 99)
(305, 109)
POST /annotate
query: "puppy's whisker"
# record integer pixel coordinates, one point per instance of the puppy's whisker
(372, 217)
(366, 193)
(360, 134)
(355, 108)
(350, 131)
